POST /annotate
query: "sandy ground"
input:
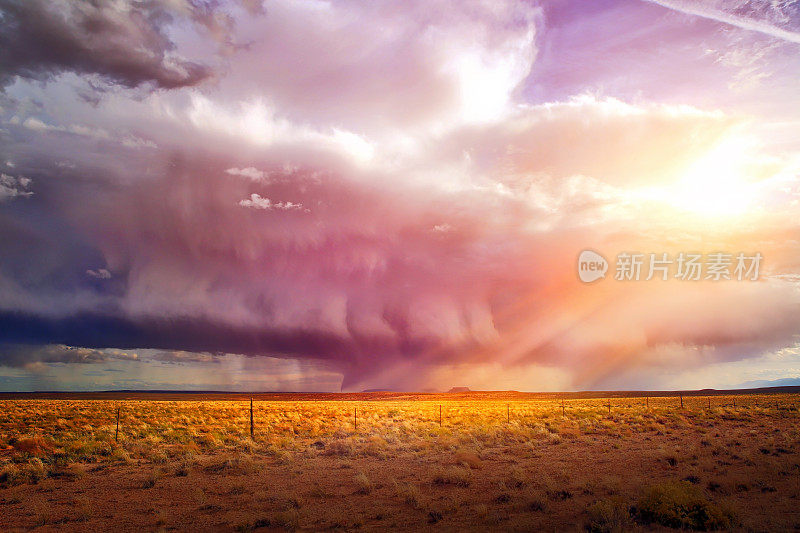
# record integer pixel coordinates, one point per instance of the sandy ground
(542, 485)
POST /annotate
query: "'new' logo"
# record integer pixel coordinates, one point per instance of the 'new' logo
(591, 266)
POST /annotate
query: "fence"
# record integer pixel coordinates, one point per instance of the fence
(292, 418)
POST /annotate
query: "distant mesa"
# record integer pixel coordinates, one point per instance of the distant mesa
(427, 391)
(460, 389)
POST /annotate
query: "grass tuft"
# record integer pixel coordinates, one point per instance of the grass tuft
(458, 476)
(363, 484)
(609, 516)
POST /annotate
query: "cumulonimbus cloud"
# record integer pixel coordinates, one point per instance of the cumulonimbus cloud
(317, 205)
(365, 281)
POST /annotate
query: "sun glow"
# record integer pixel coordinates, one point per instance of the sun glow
(717, 184)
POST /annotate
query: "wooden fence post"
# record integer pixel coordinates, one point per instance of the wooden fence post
(116, 433)
(647, 402)
(609, 406)
(508, 413)
(355, 417)
(252, 430)
(563, 409)
(681, 401)
(440, 415)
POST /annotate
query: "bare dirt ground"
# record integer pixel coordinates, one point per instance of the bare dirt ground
(738, 468)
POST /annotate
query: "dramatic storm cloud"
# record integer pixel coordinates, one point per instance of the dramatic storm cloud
(392, 194)
(122, 41)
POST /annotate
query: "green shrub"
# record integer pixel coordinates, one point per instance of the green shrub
(680, 504)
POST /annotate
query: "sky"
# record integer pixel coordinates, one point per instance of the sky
(340, 195)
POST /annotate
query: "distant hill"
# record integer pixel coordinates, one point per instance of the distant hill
(762, 383)
(459, 393)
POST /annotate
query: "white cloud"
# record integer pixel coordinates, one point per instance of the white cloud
(100, 273)
(256, 201)
(126, 139)
(132, 141)
(422, 64)
(11, 187)
(249, 172)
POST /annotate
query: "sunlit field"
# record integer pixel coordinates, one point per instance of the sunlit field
(402, 462)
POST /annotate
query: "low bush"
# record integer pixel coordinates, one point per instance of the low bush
(609, 516)
(679, 504)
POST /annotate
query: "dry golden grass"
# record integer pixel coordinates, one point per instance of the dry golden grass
(509, 464)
